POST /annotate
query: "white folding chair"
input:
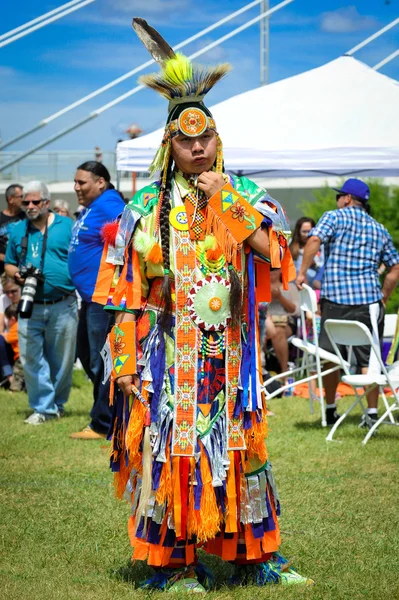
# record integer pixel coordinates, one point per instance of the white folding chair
(313, 357)
(389, 326)
(351, 334)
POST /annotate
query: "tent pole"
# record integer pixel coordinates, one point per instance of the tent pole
(386, 60)
(373, 37)
(119, 99)
(115, 82)
(22, 34)
(38, 19)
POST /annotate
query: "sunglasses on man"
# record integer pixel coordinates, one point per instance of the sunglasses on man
(35, 202)
(338, 196)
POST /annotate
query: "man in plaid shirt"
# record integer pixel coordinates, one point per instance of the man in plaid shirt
(355, 246)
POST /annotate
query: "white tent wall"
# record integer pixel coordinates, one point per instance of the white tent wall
(338, 119)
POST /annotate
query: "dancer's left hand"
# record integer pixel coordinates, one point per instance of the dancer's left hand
(210, 182)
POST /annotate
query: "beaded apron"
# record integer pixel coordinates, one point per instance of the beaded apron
(201, 307)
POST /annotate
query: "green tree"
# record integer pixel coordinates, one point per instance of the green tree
(384, 202)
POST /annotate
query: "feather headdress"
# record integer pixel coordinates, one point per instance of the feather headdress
(179, 81)
(184, 85)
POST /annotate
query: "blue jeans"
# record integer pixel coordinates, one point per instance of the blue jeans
(94, 325)
(47, 345)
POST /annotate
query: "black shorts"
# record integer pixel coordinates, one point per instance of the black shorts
(349, 312)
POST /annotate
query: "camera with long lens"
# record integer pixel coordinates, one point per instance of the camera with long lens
(32, 277)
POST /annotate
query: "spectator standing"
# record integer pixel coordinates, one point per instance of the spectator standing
(61, 207)
(47, 340)
(102, 204)
(98, 155)
(355, 246)
(9, 216)
(303, 227)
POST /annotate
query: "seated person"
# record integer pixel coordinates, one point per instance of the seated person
(9, 351)
(302, 228)
(281, 317)
(11, 295)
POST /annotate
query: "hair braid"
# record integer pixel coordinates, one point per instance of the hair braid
(235, 297)
(164, 227)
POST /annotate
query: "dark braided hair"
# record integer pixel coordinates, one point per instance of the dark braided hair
(235, 297)
(164, 227)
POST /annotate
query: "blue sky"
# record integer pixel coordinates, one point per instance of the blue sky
(58, 64)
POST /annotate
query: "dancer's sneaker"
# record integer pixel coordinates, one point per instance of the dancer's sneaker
(188, 585)
(274, 571)
(291, 577)
(193, 579)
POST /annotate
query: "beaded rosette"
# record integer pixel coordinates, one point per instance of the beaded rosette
(208, 303)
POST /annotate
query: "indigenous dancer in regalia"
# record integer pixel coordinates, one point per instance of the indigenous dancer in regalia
(184, 269)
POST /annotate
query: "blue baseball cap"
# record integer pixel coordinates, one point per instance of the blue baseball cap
(357, 188)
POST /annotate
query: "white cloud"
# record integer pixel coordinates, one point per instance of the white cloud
(346, 20)
(287, 19)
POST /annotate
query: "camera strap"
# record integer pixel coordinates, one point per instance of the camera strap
(24, 244)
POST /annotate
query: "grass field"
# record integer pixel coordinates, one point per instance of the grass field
(64, 534)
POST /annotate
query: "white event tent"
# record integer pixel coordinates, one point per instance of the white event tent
(338, 119)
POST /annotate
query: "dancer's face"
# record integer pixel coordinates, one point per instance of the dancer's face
(194, 155)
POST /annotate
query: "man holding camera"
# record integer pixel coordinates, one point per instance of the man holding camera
(37, 257)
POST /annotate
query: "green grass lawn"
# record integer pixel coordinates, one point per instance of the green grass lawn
(64, 535)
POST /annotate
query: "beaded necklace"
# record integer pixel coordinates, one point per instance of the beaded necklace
(210, 266)
(211, 348)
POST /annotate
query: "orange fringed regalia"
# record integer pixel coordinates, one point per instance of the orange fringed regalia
(214, 492)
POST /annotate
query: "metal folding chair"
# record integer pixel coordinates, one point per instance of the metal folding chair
(351, 334)
(313, 358)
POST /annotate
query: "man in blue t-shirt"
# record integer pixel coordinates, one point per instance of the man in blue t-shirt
(102, 204)
(47, 336)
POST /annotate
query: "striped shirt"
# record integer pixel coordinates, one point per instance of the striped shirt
(355, 245)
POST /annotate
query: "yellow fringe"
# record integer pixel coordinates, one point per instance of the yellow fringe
(122, 476)
(205, 523)
(229, 246)
(164, 491)
(155, 254)
(121, 479)
(255, 440)
(135, 432)
(219, 154)
(111, 391)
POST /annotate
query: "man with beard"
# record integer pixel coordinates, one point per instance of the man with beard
(38, 248)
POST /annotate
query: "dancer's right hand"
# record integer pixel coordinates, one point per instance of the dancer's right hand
(125, 383)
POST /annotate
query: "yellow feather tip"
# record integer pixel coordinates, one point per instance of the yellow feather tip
(209, 242)
(178, 69)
